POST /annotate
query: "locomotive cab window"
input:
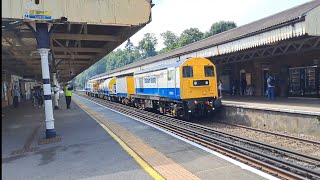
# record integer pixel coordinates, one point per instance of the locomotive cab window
(187, 71)
(208, 71)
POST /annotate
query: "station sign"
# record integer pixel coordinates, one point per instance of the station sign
(38, 15)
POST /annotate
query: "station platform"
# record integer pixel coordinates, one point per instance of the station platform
(308, 106)
(298, 116)
(96, 143)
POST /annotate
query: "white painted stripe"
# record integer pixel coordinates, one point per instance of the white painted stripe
(240, 164)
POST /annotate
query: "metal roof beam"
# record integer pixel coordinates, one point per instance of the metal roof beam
(61, 49)
(85, 37)
(56, 56)
(64, 36)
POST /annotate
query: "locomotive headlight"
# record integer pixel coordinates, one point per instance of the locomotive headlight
(195, 83)
(206, 82)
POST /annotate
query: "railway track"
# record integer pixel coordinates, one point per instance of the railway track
(276, 161)
(273, 133)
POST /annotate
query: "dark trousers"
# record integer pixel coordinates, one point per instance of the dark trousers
(15, 101)
(68, 101)
(270, 93)
(40, 101)
(243, 91)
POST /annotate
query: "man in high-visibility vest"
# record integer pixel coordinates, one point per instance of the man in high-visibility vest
(68, 94)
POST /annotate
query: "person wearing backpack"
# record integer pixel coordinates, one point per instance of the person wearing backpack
(271, 85)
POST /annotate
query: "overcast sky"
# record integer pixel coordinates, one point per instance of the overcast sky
(178, 15)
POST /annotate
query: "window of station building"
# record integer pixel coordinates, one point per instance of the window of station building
(208, 71)
(187, 71)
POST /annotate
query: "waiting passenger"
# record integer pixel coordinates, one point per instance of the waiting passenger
(33, 97)
(243, 86)
(234, 87)
(220, 87)
(39, 93)
(16, 94)
(271, 85)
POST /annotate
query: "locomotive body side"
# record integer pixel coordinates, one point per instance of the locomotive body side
(155, 83)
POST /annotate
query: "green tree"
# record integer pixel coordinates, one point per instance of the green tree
(147, 45)
(170, 41)
(189, 36)
(129, 46)
(219, 27)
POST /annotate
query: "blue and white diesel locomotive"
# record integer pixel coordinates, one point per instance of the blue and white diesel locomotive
(180, 89)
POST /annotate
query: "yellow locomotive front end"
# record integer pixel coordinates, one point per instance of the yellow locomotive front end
(198, 86)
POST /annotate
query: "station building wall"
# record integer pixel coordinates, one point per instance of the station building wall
(254, 72)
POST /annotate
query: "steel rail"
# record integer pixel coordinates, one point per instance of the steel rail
(273, 133)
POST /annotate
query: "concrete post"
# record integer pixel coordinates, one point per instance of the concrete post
(43, 46)
(56, 91)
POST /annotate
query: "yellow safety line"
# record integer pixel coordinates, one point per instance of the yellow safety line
(153, 173)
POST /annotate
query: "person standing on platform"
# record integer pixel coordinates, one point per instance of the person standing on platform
(234, 87)
(220, 87)
(40, 96)
(34, 97)
(271, 84)
(68, 93)
(16, 96)
(243, 86)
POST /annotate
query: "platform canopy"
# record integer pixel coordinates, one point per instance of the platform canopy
(291, 31)
(84, 32)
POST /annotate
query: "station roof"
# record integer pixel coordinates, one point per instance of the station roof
(93, 29)
(283, 25)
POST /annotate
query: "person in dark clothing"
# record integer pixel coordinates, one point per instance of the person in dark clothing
(40, 96)
(233, 87)
(220, 88)
(33, 97)
(271, 86)
(16, 96)
(243, 86)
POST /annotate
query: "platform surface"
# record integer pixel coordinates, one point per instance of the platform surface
(309, 106)
(87, 151)
(197, 161)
